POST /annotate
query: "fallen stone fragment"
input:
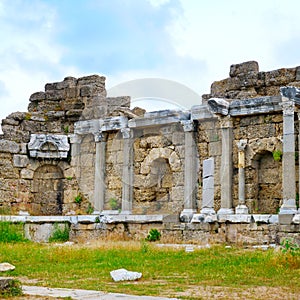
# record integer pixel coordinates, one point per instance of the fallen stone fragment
(6, 267)
(124, 275)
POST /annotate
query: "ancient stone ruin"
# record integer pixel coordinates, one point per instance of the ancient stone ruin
(227, 170)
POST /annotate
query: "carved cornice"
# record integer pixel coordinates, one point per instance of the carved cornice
(188, 125)
(288, 108)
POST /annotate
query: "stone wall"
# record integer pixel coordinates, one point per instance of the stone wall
(246, 81)
(50, 156)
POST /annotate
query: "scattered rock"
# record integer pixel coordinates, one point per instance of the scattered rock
(6, 267)
(124, 275)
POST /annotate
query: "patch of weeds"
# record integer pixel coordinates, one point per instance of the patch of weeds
(12, 289)
(69, 177)
(59, 234)
(153, 235)
(78, 199)
(66, 129)
(289, 247)
(113, 203)
(144, 246)
(277, 155)
(11, 232)
(89, 209)
(97, 220)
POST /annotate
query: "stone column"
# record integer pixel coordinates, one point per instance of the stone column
(100, 187)
(241, 208)
(127, 176)
(226, 166)
(288, 158)
(298, 112)
(190, 171)
(75, 141)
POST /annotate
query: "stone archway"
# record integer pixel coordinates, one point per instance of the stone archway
(47, 190)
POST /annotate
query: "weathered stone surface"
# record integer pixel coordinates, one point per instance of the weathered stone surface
(124, 275)
(6, 267)
(20, 161)
(9, 146)
(246, 67)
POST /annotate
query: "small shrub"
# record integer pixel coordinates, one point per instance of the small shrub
(13, 289)
(11, 232)
(69, 177)
(153, 235)
(78, 199)
(277, 155)
(59, 234)
(289, 247)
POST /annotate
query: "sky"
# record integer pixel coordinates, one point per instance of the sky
(192, 42)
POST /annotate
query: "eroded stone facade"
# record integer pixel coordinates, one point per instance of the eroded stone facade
(77, 151)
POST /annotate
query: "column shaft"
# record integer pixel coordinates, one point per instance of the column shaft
(226, 167)
(127, 180)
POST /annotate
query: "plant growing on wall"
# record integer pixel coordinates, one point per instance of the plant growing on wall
(78, 199)
(153, 235)
(113, 203)
(277, 155)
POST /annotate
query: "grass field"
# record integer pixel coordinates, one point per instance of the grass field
(166, 272)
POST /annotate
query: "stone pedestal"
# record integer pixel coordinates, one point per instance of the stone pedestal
(241, 208)
(288, 156)
(190, 172)
(226, 166)
(127, 177)
(100, 187)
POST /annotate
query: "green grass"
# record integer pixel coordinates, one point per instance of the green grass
(11, 232)
(165, 271)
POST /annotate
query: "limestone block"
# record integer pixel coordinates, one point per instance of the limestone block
(280, 76)
(246, 67)
(9, 146)
(177, 193)
(178, 138)
(6, 267)
(20, 161)
(215, 148)
(27, 174)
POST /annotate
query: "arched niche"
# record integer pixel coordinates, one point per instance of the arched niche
(47, 189)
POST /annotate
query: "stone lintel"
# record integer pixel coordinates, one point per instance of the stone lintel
(163, 117)
(87, 126)
(113, 123)
(201, 112)
(261, 105)
(235, 218)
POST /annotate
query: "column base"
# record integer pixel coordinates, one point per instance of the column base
(225, 211)
(208, 211)
(186, 215)
(241, 209)
(288, 207)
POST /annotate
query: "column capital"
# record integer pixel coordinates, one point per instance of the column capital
(127, 133)
(225, 122)
(288, 108)
(188, 125)
(241, 144)
(100, 136)
(75, 139)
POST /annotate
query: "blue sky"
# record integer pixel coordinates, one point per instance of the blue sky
(193, 42)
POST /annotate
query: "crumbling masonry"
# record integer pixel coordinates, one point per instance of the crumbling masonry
(227, 170)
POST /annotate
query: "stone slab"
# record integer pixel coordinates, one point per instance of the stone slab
(83, 294)
(201, 112)
(208, 167)
(235, 218)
